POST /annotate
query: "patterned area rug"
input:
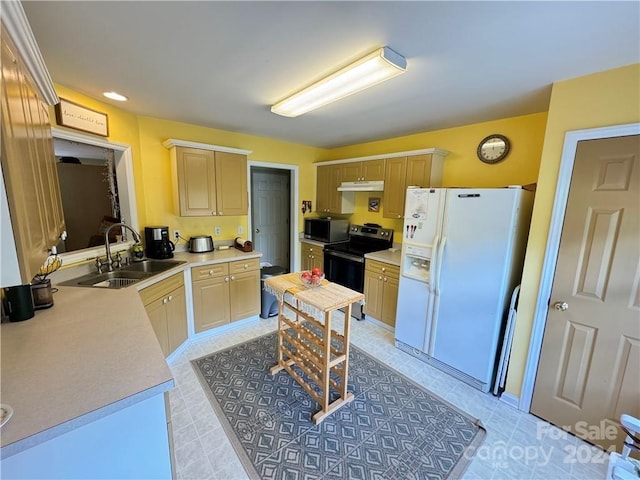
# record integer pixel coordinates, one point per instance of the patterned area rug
(393, 429)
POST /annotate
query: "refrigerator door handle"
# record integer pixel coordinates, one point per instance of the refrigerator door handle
(433, 263)
(439, 264)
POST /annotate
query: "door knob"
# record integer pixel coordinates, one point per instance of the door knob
(561, 306)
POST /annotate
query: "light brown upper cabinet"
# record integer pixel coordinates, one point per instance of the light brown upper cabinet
(372, 170)
(328, 198)
(28, 163)
(422, 170)
(210, 180)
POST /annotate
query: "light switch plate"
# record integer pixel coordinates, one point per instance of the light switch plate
(240, 230)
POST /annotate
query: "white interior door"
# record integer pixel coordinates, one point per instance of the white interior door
(270, 214)
(588, 369)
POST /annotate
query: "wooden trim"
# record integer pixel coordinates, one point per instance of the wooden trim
(563, 185)
(408, 153)
(17, 25)
(172, 142)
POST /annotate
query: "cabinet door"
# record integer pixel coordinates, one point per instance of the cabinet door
(157, 313)
(373, 170)
(20, 166)
(196, 182)
(305, 256)
(373, 294)
(244, 291)
(394, 187)
(176, 318)
(389, 301)
(211, 303)
(418, 171)
(323, 180)
(351, 172)
(317, 258)
(335, 197)
(231, 183)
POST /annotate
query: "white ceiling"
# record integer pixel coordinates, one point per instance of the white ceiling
(223, 64)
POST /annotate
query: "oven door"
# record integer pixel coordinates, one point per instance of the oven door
(344, 269)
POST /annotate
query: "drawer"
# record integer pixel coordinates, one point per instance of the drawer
(209, 271)
(248, 265)
(381, 267)
(160, 289)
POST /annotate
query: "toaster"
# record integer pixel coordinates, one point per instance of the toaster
(201, 244)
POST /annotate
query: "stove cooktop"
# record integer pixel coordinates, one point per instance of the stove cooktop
(364, 239)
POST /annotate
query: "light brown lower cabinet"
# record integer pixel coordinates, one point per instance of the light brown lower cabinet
(165, 303)
(381, 291)
(225, 292)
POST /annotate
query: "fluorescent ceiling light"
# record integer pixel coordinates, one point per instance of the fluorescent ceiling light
(115, 96)
(376, 67)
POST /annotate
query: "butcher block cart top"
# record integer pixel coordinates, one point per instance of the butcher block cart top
(309, 349)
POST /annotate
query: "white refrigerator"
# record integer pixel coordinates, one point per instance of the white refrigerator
(462, 256)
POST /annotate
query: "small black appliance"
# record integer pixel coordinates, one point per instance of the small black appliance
(157, 243)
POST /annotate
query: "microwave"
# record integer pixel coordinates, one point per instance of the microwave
(327, 230)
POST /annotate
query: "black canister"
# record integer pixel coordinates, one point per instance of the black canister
(19, 302)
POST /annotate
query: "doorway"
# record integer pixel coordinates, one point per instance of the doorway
(273, 203)
(584, 379)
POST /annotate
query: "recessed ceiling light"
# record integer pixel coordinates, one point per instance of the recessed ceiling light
(115, 96)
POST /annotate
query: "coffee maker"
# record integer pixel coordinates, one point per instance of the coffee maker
(157, 243)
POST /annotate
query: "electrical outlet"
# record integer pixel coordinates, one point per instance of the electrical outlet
(217, 231)
(240, 230)
(176, 234)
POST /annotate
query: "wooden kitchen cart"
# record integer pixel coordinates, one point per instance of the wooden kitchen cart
(306, 339)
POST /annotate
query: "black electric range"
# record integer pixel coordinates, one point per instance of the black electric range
(344, 261)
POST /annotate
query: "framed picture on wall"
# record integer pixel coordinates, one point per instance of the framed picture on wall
(72, 115)
(374, 204)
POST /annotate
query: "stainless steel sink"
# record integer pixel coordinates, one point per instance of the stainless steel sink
(151, 266)
(123, 277)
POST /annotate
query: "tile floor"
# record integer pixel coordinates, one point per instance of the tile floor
(517, 445)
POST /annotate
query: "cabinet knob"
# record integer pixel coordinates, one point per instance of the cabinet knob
(219, 213)
(213, 213)
(246, 266)
(170, 298)
(210, 272)
(226, 279)
(379, 277)
(399, 216)
(384, 269)
(232, 278)
(385, 279)
(165, 300)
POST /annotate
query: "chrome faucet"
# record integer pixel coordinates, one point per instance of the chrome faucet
(136, 237)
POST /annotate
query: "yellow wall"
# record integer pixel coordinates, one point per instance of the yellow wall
(462, 168)
(152, 170)
(123, 128)
(158, 183)
(598, 100)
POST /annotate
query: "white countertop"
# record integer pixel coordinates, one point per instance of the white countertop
(391, 256)
(93, 353)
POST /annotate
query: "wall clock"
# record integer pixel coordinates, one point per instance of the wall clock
(493, 148)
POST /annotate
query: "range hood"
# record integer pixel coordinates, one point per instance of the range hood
(363, 186)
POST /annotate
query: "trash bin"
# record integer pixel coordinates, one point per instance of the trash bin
(268, 301)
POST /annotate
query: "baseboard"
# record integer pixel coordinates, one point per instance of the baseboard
(378, 323)
(225, 328)
(510, 399)
(173, 355)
